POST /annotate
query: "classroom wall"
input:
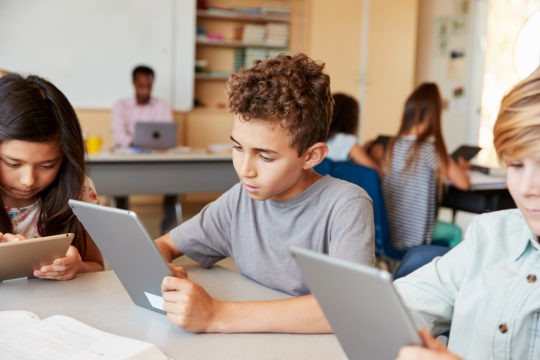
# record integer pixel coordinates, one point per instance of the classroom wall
(444, 27)
(390, 64)
(88, 48)
(337, 43)
(391, 67)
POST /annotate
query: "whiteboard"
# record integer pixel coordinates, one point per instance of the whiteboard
(88, 48)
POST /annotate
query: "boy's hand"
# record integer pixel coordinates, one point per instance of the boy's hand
(188, 305)
(62, 268)
(178, 271)
(433, 350)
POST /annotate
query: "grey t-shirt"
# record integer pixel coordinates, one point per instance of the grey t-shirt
(332, 216)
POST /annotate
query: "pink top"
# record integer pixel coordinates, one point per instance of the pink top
(126, 113)
(25, 219)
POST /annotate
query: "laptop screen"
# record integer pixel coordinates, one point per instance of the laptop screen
(155, 135)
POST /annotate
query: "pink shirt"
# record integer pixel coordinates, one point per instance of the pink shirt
(126, 113)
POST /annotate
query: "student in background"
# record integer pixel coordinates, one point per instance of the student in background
(486, 288)
(342, 142)
(42, 166)
(282, 110)
(142, 107)
(416, 165)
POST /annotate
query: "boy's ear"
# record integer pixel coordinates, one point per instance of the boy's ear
(315, 154)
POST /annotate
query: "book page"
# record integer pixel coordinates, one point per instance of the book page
(62, 337)
(13, 319)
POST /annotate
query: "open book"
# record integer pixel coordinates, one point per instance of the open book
(24, 336)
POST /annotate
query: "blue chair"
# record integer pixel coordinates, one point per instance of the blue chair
(368, 179)
(416, 257)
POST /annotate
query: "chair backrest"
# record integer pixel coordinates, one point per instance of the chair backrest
(368, 179)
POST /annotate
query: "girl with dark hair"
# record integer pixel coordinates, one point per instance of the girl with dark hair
(42, 166)
(342, 141)
(416, 164)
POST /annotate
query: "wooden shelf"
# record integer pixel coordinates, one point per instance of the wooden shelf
(237, 16)
(212, 75)
(237, 44)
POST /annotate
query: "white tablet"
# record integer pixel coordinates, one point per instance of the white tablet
(361, 305)
(19, 259)
(129, 250)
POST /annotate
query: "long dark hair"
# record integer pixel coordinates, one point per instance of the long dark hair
(32, 109)
(423, 106)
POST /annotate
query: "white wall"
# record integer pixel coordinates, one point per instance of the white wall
(435, 64)
(88, 48)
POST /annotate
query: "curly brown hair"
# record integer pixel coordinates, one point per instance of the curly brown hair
(291, 91)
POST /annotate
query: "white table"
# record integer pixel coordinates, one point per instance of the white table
(99, 300)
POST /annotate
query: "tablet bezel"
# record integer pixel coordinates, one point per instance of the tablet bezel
(129, 250)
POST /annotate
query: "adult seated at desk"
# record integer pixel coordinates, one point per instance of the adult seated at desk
(142, 107)
(278, 137)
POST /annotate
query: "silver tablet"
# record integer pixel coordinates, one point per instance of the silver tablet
(360, 304)
(129, 250)
(19, 259)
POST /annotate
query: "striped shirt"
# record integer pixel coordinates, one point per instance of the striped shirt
(410, 193)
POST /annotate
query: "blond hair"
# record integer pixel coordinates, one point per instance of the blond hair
(517, 129)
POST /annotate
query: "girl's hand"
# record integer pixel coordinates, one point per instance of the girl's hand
(433, 350)
(62, 268)
(7, 237)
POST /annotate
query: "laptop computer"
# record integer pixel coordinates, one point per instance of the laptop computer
(19, 259)
(128, 249)
(155, 135)
(360, 303)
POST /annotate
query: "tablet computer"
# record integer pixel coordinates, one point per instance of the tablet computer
(467, 152)
(129, 250)
(361, 305)
(20, 258)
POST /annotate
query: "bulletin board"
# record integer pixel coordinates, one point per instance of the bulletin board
(88, 48)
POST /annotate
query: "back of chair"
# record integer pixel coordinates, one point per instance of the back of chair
(368, 179)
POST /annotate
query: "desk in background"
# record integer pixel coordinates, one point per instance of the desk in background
(100, 300)
(487, 193)
(122, 174)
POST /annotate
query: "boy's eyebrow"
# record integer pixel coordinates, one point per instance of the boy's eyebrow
(267, 151)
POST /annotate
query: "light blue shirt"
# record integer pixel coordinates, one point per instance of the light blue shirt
(339, 146)
(487, 288)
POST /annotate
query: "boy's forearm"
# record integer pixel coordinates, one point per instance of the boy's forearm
(297, 315)
(165, 245)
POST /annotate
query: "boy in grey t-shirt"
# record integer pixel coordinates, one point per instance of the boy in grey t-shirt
(282, 109)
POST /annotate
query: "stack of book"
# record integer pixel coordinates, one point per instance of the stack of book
(275, 11)
(253, 34)
(244, 58)
(277, 34)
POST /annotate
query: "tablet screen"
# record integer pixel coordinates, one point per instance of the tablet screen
(467, 152)
(20, 258)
